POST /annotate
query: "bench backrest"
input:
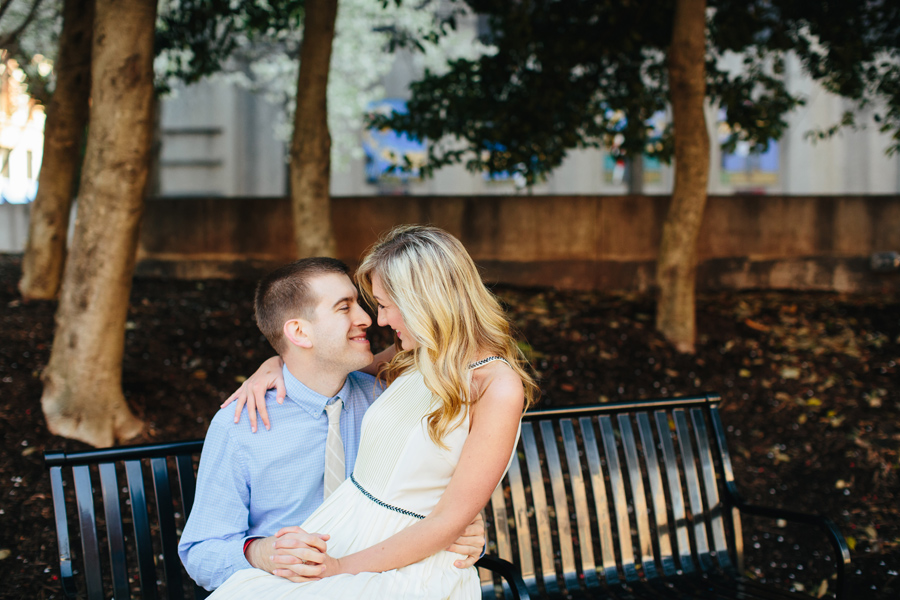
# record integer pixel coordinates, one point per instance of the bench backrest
(141, 560)
(130, 545)
(612, 493)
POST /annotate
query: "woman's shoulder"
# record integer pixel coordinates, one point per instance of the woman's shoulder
(496, 380)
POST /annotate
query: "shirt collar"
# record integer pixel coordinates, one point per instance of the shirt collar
(310, 401)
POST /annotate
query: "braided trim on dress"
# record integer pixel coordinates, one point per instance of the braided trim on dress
(484, 361)
(365, 493)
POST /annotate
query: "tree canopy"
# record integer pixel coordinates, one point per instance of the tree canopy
(580, 73)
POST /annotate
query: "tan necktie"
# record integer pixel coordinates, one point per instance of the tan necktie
(334, 448)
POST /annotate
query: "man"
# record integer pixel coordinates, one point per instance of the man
(250, 485)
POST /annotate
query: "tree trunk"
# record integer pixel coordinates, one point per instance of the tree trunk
(310, 169)
(677, 264)
(67, 115)
(82, 383)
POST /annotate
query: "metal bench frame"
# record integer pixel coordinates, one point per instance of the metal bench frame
(615, 514)
(155, 523)
(653, 514)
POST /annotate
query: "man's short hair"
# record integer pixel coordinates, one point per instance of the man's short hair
(285, 294)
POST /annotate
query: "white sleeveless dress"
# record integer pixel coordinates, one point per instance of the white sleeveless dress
(398, 478)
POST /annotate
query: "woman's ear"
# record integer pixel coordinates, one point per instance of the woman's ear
(296, 333)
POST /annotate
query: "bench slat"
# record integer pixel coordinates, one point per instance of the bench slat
(67, 575)
(166, 515)
(676, 496)
(140, 520)
(109, 486)
(523, 529)
(601, 502)
(728, 476)
(561, 506)
(187, 483)
(541, 509)
(501, 537)
(713, 503)
(87, 520)
(620, 503)
(579, 499)
(693, 484)
(657, 495)
(638, 496)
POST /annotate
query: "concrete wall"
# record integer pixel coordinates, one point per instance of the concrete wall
(14, 226)
(573, 242)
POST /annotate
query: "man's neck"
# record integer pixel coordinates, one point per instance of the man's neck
(320, 378)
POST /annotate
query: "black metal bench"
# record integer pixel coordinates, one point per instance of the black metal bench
(632, 500)
(133, 553)
(589, 508)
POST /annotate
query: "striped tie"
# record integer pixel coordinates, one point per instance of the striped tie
(334, 448)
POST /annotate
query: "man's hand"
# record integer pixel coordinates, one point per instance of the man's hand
(291, 553)
(299, 556)
(470, 543)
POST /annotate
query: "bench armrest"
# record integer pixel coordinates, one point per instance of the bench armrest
(842, 550)
(509, 572)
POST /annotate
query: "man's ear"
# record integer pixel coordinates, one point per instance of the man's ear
(296, 331)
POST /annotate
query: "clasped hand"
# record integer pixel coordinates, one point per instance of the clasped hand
(300, 556)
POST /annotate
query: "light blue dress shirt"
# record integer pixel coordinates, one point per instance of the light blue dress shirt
(253, 484)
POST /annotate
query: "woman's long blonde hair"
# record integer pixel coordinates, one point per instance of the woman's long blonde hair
(453, 317)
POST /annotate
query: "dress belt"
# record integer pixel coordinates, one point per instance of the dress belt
(365, 493)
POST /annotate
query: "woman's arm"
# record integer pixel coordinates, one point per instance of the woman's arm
(493, 428)
(380, 359)
(253, 392)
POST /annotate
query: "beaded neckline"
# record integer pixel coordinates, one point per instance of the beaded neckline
(484, 361)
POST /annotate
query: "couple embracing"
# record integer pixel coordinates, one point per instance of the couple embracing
(388, 506)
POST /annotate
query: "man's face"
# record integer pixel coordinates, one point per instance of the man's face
(337, 327)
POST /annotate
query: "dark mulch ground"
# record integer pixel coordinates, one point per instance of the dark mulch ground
(809, 387)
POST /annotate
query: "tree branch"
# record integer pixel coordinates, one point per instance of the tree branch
(9, 39)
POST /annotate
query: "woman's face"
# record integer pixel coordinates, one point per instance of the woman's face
(389, 315)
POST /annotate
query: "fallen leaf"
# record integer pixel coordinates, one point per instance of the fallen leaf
(823, 588)
(851, 542)
(744, 373)
(199, 374)
(240, 378)
(790, 373)
(756, 325)
(4, 553)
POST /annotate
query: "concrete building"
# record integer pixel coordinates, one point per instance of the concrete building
(218, 140)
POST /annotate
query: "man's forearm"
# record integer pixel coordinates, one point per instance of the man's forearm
(211, 562)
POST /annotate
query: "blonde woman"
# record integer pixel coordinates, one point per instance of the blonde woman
(433, 446)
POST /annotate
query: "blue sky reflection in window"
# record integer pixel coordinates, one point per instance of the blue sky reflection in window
(387, 152)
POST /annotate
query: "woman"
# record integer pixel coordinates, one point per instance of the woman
(433, 446)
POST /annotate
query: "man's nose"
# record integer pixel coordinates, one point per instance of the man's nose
(362, 317)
